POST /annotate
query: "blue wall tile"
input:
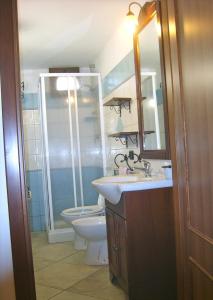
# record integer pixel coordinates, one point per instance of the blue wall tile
(159, 95)
(88, 175)
(43, 223)
(36, 209)
(62, 192)
(36, 223)
(36, 204)
(30, 101)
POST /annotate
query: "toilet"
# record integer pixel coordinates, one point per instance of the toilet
(71, 214)
(93, 230)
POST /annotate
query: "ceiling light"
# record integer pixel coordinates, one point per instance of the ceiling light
(67, 84)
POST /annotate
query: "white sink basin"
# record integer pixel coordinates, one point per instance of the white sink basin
(111, 187)
(121, 179)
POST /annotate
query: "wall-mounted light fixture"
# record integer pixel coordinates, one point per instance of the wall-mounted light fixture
(132, 20)
(67, 84)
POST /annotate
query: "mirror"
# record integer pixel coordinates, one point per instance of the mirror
(151, 96)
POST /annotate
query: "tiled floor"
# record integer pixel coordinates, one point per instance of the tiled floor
(61, 274)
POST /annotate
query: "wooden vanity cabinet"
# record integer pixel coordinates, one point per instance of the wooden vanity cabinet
(116, 230)
(140, 233)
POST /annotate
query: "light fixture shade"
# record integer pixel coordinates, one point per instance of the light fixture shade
(67, 84)
(131, 22)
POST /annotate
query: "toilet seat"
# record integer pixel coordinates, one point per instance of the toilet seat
(83, 210)
(72, 214)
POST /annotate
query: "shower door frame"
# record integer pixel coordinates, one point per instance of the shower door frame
(49, 216)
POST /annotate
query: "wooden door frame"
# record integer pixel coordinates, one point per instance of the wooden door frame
(12, 123)
(13, 140)
(13, 144)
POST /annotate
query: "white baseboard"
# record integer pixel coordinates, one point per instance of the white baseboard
(61, 235)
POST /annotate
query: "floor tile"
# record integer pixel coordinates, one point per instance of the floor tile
(45, 293)
(73, 296)
(62, 275)
(76, 258)
(99, 287)
(59, 267)
(40, 263)
(39, 239)
(55, 252)
(101, 275)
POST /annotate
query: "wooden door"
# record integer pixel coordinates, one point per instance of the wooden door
(14, 165)
(112, 243)
(189, 51)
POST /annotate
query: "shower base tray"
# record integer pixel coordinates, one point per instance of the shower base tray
(61, 235)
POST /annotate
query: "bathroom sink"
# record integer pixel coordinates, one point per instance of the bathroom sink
(111, 187)
(117, 179)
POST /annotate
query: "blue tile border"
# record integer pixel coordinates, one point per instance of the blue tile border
(122, 72)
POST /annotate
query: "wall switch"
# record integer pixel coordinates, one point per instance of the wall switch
(131, 155)
(29, 193)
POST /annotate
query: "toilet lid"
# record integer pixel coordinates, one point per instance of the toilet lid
(83, 210)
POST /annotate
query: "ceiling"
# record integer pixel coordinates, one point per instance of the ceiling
(66, 32)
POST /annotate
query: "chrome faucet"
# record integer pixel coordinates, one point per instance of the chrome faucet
(146, 168)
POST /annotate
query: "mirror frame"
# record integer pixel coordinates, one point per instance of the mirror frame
(147, 13)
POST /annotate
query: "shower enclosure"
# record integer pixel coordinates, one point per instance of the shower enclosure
(73, 145)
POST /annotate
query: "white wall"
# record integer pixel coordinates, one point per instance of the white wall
(7, 290)
(119, 45)
(31, 79)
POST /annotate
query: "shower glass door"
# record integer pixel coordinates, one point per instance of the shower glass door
(73, 141)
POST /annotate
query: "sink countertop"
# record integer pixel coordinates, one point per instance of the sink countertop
(111, 187)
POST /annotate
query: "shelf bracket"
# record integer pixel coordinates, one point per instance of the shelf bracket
(117, 109)
(134, 139)
(123, 142)
(119, 105)
(126, 106)
(125, 137)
